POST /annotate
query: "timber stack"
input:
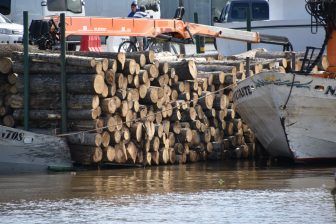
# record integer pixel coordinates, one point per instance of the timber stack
(135, 108)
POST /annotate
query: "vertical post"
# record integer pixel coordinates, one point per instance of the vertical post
(248, 66)
(26, 70)
(181, 46)
(248, 23)
(198, 41)
(293, 60)
(63, 76)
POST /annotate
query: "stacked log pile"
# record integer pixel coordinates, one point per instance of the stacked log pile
(136, 108)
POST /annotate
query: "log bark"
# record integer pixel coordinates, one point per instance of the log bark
(89, 139)
(85, 125)
(132, 152)
(139, 57)
(86, 155)
(152, 71)
(76, 84)
(185, 70)
(164, 156)
(119, 57)
(108, 154)
(6, 65)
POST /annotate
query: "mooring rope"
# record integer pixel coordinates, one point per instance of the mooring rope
(142, 119)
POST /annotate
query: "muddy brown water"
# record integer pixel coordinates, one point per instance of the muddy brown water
(196, 193)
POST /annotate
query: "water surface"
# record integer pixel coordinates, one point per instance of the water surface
(196, 193)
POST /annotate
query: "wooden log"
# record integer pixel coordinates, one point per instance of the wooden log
(274, 54)
(143, 77)
(185, 70)
(179, 148)
(108, 154)
(220, 102)
(181, 159)
(76, 125)
(18, 114)
(132, 152)
(206, 100)
(120, 57)
(172, 156)
(120, 153)
(163, 67)
(229, 129)
(85, 114)
(230, 114)
(163, 156)
(139, 57)
(152, 71)
(6, 65)
(150, 56)
(206, 75)
(218, 78)
(154, 144)
(115, 137)
(130, 67)
(149, 129)
(8, 120)
(36, 102)
(84, 84)
(105, 138)
(205, 136)
(189, 115)
(86, 155)
(176, 127)
(90, 139)
(45, 68)
(185, 135)
(213, 68)
(166, 126)
(193, 156)
(230, 79)
(136, 131)
(147, 159)
(151, 96)
(12, 78)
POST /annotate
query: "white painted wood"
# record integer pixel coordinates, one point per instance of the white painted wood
(22, 151)
(305, 129)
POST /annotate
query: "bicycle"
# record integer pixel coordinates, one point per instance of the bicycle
(153, 44)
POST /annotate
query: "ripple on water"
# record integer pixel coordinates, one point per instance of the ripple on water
(313, 205)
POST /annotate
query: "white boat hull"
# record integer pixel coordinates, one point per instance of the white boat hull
(291, 119)
(22, 151)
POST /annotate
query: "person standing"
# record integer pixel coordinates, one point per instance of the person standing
(138, 13)
(134, 9)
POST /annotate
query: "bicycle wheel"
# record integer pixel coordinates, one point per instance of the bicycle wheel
(155, 46)
(127, 46)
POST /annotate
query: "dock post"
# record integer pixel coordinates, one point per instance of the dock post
(199, 40)
(293, 60)
(63, 77)
(247, 67)
(26, 70)
(248, 25)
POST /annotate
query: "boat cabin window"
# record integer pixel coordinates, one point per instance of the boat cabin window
(5, 7)
(74, 6)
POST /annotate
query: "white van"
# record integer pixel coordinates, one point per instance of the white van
(38, 9)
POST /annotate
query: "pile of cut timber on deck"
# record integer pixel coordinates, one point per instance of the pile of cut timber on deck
(134, 108)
